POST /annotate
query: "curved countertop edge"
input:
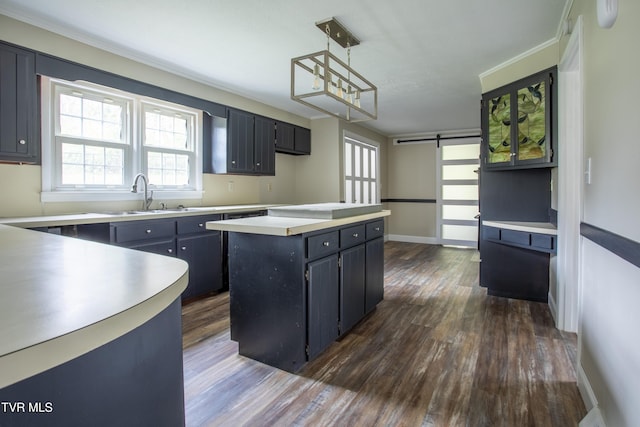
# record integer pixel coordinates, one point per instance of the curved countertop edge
(35, 359)
(97, 217)
(287, 226)
(530, 227)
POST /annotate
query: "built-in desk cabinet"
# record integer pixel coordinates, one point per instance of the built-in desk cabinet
(515, 264)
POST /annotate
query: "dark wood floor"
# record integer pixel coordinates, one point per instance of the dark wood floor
(436, 352)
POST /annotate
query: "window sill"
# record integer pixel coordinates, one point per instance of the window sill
(116, 196)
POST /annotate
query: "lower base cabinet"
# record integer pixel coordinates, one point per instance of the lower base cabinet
(184, 237)
(291, 297)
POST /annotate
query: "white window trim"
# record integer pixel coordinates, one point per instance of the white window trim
(364, 140)
(50, 194)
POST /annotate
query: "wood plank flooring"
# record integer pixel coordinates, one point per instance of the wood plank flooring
(436, 352)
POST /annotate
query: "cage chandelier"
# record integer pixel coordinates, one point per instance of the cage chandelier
(322, 81)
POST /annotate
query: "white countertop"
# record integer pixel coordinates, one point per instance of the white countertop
(97, 217)
(285, 226)
(61, 297)
(530, 227)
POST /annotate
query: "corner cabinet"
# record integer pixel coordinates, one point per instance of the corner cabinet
(519, 123)
(19, 115)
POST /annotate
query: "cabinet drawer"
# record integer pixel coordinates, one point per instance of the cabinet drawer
(195, 224)
(322, 244)
(142, 230)
(352, 236)
(375, 229)
(542, 241)
(491, 233)
(517, 237)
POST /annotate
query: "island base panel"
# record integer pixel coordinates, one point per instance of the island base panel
(134, 380)
(267, 302)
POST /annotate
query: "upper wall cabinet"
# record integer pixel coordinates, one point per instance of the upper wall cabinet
(242, 144)
(519, 123)
(19, 116)
(292, 139)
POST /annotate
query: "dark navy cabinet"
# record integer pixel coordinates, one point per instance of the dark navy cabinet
(247, 149)
(19, 114)
(291, 139)
(184, 237)
(519, 123)
(292, 296)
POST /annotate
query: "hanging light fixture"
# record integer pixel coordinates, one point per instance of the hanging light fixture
(322, 81)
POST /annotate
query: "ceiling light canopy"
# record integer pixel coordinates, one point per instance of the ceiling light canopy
(322, 81)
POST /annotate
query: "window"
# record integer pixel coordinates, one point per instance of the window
(360, 172)
(96, 139)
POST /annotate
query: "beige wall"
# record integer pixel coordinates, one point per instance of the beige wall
(22, 196)
(411, 172)
(609, 344)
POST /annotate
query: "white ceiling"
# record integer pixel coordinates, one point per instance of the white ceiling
(424, 55)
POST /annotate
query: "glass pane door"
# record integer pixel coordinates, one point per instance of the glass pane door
(458, 164)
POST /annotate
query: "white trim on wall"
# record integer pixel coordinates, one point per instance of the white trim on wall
(570, 177)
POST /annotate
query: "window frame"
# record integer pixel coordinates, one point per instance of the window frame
(357, 140)
(135, 158)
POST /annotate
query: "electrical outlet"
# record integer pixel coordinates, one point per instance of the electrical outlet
(230, 186)
(269, 187)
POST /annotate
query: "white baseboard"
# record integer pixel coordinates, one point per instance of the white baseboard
(413, 239)
(586, 392)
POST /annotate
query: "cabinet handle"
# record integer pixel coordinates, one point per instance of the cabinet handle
(148, 231)
(184, 248)
(325, 244)
(257, 164)
(355, 234)
(200, 225)
(170, 251)
(233, 162)
(377, 228)
(22, 142)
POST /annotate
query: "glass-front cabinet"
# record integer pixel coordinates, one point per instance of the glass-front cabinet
(519, 122)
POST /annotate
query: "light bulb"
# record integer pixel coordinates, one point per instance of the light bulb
(356, 101)
(330, 85)
(349, 97)
(340, 91)
(316, 77)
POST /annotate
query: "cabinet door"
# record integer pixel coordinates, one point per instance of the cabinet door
(374, 291)
(352, 287)
(284, 137)
(265, 146)
(19, 118)
(518, 122)
(322, 304)
(302, 140)
(240, 134)
(203, 253)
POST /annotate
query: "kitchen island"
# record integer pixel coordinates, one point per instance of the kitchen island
(298, 284)
(91, 333)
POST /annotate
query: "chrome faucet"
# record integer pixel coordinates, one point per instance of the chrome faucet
(148, 198)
